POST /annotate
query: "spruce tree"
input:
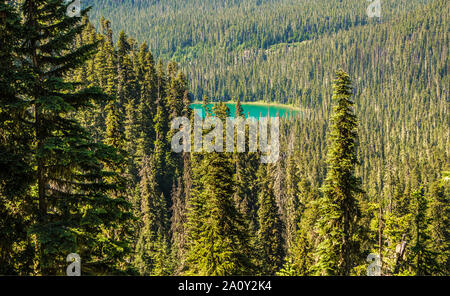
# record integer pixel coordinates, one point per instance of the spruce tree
(397, 231)
(338, 251)
(270, 226)
(240, 195)
(146, 75)
(152, 253)
(439, 212)
(217, 236)
(422, 258)
(300, 258)
(73, 211)
(180, 196)
(293, 207)
(246, 188)
(16, 175)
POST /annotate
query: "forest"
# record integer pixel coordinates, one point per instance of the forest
(86, 165)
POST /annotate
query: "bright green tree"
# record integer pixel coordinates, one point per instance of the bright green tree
(338, 251)
(218, 242)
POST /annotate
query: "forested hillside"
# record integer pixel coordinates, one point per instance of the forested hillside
(177, 27)
(86, 159)
(222, 43)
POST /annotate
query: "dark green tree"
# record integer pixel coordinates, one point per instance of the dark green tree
(270, 226)
(421, 258)
(439, 213)
(16, 175)
(73, 212)
(146, 75)
(152, 250)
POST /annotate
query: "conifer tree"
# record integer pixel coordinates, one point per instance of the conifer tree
(270, 226)
(217, 236)
(439, 213)
(300, 259)
(114, 136)
(161, 147)
(73, 211)
(422, 258)
(16, 173)
(146, 75)
(152, 245)
(240, 195)
(338, 251)
(246, 188)
(176, 91)
(180, 196)
(88, 74)
(293, 205)
(397, 231)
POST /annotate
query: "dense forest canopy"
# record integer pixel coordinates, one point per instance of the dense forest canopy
(86, 164)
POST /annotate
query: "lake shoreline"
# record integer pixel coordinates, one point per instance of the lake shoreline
(258, 103)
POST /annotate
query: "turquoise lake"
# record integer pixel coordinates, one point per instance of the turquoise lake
(252, 110)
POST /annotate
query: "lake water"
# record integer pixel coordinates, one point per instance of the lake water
(253, 110)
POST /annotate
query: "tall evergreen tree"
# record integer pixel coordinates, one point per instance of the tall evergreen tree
(422, 258)
(152, 253)
(218, 239)
(246, 188)
(270, 226)
(397, 231)
(338, 252)
(240, 195)
(146, 75)
(73, 211)
(16, 173)
(180, 197)
(439, 213)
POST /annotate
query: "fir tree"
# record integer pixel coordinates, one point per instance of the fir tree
(146, 75)
(439, 212)
(270, 227)
(218, 240)
(397, 231)
(16, 173)
(74, 213)
(422, 258)
(338, 252)
(180, 197)
(246, 188)
(300, 259)
(152, 245)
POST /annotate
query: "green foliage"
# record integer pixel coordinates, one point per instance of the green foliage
(218, 241)
(338, 251)
(68, 198)
(152, 246)
(85, 138)
(439, 215)
(422, 258)
(270, 227)
(16, 173)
